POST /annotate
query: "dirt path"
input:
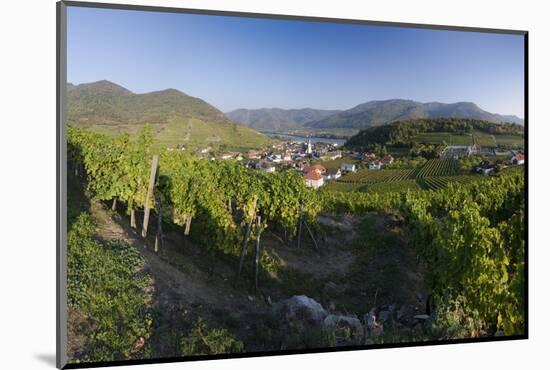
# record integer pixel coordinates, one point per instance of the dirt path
(333, 257)
(177, 273)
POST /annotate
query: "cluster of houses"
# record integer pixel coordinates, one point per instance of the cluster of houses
(298, 151)
(298, 155)
(486, 167)
(375, 163)
(289, 154)
(518, 158)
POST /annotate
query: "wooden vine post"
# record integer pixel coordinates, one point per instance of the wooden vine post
(312, 237)
(187, 220)
(257, 252)
(245, 239)
(150, 189)
(133, 218)
(302, 222)
(300, 226)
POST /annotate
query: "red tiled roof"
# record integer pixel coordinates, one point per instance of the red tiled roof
(315, 168)
(318, 166)
(313, 175)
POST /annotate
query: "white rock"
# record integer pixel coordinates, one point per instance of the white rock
(302, 304)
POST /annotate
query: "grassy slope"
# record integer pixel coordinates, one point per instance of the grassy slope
(194, 133)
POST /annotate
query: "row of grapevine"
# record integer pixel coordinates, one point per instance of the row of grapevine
(379, 186)
(222, 197)
(116, 167)
(359, 203)
(439, 182)
(394, 186)
(371, 176)
(439, 167)
(344, 186)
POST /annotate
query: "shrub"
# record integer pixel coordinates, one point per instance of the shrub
(204, 341)
(106, 285)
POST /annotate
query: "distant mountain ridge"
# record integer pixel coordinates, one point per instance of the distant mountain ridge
(372, 113)
(274, 119)
(379, 112)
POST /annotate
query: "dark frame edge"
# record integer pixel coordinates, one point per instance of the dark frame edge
(290, 352)
(526, 170)
(61, 188)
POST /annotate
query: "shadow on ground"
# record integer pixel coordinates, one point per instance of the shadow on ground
(46, 358)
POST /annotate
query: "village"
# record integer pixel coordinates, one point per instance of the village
(300, 156)
(308, 159)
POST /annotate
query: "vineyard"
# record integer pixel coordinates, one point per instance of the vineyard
(470, 237)
(465, 236)
(437, 167)
(434, 174)
(394, 186)
(342, 186)
(368, 176)
(236, 203)
(438, 182)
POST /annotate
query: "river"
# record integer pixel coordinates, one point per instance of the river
(304, 139)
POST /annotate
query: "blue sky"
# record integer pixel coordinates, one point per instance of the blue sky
(253, 63)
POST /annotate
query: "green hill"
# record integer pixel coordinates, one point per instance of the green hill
(176, 118)
(450, 131)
